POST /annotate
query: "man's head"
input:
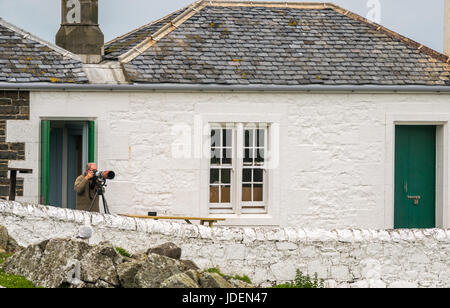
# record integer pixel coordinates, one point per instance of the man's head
(91, 166)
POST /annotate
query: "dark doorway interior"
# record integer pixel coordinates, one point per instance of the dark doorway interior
(68, 156)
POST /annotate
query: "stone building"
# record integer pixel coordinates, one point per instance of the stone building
(266, 114)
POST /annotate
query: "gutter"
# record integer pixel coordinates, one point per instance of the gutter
(221, 88)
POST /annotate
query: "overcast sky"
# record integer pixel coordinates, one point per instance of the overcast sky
(419, 20)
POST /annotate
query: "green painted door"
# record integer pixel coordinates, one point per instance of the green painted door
(415, 177)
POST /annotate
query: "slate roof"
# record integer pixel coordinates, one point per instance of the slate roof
(279, 44)
(119, 46)
(25, 58)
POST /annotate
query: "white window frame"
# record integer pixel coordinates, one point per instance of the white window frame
(259, 207)
(220, 207)
(237, 205)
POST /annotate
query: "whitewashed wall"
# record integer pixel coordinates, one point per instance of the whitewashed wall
(336, 164)
(343, 258)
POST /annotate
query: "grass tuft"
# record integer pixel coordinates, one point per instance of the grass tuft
(216, 270)
(302, 282)
(123, 252)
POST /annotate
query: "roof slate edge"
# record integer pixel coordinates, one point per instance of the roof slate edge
(144, 26)
(225, 88)
(149, 42)
(27, 35)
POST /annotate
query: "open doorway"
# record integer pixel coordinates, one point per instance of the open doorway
(67, 146)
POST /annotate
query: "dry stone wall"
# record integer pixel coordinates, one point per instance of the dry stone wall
(14, 105)
(343, 258)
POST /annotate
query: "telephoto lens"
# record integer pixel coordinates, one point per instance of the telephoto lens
(105, 175)
(109, 175)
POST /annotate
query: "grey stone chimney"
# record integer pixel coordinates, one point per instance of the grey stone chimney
(447, 27)
(80, 32)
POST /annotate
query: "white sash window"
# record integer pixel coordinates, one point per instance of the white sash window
(238, 172)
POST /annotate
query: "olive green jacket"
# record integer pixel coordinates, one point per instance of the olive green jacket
(85, 195)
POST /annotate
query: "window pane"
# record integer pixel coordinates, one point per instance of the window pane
(227, 138)
(215, 138)
(226, 194)
(246, 192)
(247, 175)
(214, 194)
(260, 138)
(214, 176)
(260, 156)
(258, 193)
(215, 156)
(226, 176)
(248, 156)
(227, 156)
(248, 138)
(258, 175)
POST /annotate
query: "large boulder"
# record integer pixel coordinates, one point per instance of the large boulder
(52, 264)
(149, 272)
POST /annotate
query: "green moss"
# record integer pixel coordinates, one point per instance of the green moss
(302, 282)
(244, 278)
(216, 270)
(15, 282)
(4, 256)
(123, 252)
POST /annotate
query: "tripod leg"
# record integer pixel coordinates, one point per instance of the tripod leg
(105, 205)
(93, 201)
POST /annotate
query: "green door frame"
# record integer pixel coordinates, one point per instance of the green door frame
(91, 142)
(45, 156)
(45, 162)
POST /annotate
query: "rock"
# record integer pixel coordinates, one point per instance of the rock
(179, 281)
(194, 275)
(169, 250)
(190, 265)
(7, 243)
(99, 264)
(213, 281)
(3, 238)
(148, 273)
(47, 264)
(236, 283)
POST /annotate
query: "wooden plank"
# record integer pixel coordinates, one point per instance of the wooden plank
(175, 218)
(26, 171)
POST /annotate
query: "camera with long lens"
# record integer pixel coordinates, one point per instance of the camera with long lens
(99, 183)
(103, 175)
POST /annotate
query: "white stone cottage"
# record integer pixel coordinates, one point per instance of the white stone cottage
(266, 114)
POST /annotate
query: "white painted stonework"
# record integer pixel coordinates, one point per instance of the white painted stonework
(336, 166)
(343, 258)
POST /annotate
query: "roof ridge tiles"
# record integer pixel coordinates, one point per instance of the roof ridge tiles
(27, 35)
(143, 27)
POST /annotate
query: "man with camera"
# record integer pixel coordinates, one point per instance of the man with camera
(85, 187)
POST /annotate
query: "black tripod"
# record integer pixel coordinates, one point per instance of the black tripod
(100, 191)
